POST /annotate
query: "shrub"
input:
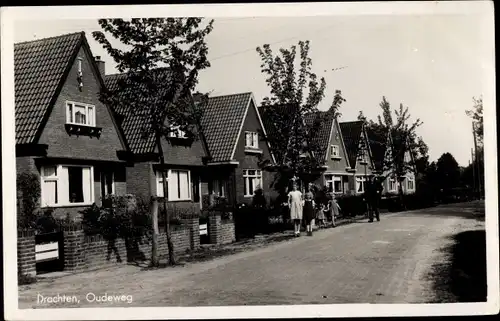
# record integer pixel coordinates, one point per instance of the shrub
(28, 196)
(259, 201)
(46, 223)
(91, 219)
(351, 205)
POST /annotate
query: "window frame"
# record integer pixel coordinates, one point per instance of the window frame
(334, 151)
(102, 179)
(89, 121)
(412, 180)
(246, 185)
(177, 132)
(392, 180)
(170, 176)
(254, 139)
(61, 201)
(335, 178)
(360, 180)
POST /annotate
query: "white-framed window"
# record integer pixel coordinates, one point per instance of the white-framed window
(393, 185)
(411, 183)
(251, 140)
(334, 183)
(176, 132)
(107, 183)
(67, 185)
(360, 184)
(362, 156)
(178, 185)
(252, 179)
(80, 114)
(334, 151)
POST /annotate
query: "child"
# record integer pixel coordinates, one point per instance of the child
(334, 208)
(320, 216)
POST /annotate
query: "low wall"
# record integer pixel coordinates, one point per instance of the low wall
(220, 231)
(83, 252)
(26, 264)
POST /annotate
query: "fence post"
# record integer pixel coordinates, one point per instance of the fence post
(214, 222)
(74, 248)
(26, 260)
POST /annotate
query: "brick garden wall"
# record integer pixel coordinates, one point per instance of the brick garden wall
(26, 253)
(220, 231)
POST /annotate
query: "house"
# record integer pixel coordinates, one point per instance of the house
(236, 139)
(382, 145)
(185, 157)
(64, 134)
(406, 160)
(332, 151)
(359, 155)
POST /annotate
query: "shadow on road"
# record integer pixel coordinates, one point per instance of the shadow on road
(462, 277)
(470, 210)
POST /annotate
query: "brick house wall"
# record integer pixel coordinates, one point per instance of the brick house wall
(71, 149)
(250, 160)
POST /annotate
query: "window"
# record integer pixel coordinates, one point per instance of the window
(251, 140)
(360, 184)
(80, 114)
(392, 184)
(334, 183)
(218, 188)
(159, 183)
(362, 156)
(107, 183)
(411, 183)
(334, 151)
(176, 132)
(67, 185)
(178, 185)
(252, 180)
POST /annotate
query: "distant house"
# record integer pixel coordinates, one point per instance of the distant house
(235, 137)
(332, 151)
(381, 145)
(185, 157)
(406, 158)
(64, 134)
(360, 159)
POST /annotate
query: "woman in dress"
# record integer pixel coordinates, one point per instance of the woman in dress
(309, 210)
(295, 206)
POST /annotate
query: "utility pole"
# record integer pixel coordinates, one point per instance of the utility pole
(473, 171)
(477, 160)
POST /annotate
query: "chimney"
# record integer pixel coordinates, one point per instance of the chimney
(100, 65)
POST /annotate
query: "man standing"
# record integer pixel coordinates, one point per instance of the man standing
(375, 193)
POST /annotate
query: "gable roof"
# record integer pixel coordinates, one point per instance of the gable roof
(323, 135)
(222, 121)
(40, 68)
(351, 132)
(378, 144)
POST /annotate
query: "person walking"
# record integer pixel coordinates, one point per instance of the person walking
(296, 207)
(309, 210)
(377, 195)
(334, 208)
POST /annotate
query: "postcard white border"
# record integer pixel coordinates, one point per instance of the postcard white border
(10, 14)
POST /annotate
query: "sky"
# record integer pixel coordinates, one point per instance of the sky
(434, 64)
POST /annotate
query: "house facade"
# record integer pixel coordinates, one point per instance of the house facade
(236, 140)
(359, 153)
(333, 152)
(64, 134)
(184, 157)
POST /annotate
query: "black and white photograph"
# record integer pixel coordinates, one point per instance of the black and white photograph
(249, 160)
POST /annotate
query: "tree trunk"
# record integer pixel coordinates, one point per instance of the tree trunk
(401, 194)
(170, 245)
(154, 249)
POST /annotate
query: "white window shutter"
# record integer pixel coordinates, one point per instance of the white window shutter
(63, 186)
(87, 185)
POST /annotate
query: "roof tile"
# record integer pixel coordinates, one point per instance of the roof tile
(39, 67)
(221, 123)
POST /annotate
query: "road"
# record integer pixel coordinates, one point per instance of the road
(380, 262)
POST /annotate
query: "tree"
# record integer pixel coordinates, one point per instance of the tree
(297, 91)
(161, 62)
(447, 172)
(476, 113)
(403, 141)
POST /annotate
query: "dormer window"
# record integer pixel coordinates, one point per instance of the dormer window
(80, 114)
(251, 140)
(176, 132)
(334, 151)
